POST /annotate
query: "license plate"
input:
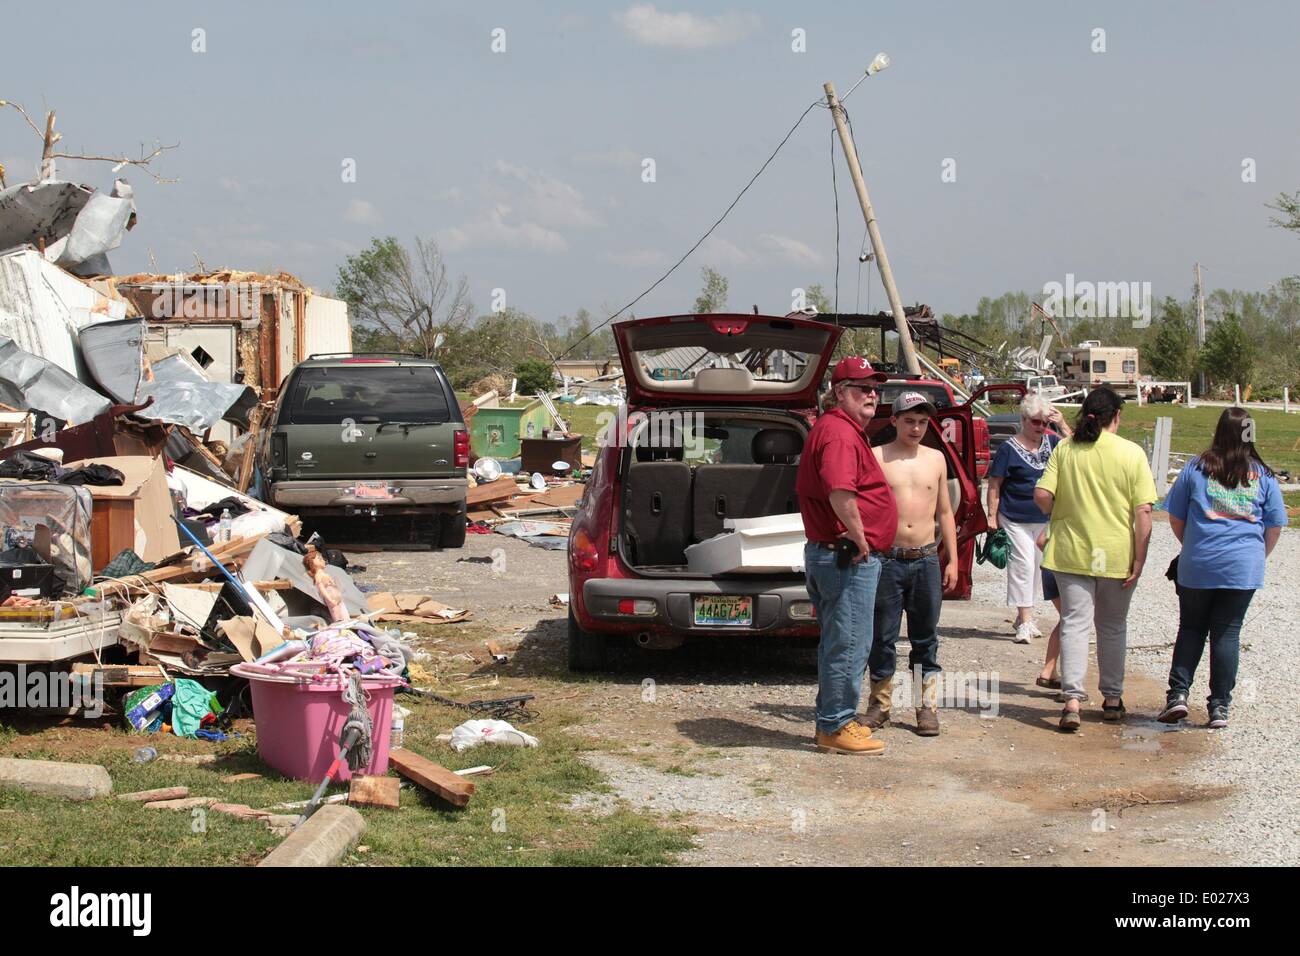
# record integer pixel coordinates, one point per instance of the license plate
(720, 610)
(372, 489)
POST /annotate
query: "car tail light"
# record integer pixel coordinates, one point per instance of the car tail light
(279, 450)
(462, 448)
(583, 551)
(802, 611)
(642, 607)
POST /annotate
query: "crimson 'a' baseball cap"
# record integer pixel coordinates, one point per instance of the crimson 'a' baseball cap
(855, 368)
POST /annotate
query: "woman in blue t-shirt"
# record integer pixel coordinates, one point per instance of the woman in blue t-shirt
(1017, 465)
(1226, 508)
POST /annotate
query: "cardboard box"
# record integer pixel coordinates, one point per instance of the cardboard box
(768, 545)
(136, 514)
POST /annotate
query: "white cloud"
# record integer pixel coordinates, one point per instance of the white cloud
(720, 252)
(548, 200)
(360, 212)
(684, 31)
(790, 250)
(493, 230)
(638, 258)
(611, 159)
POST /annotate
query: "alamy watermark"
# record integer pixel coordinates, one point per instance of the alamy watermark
(41, 689)
(1099, 300)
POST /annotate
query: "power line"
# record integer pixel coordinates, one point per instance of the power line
(815, 103)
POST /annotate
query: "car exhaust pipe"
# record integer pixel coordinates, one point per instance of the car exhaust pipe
(659, 642)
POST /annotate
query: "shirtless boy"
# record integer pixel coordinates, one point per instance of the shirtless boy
(910, 579)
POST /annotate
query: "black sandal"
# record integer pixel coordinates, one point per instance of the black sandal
(1048, 683)
(1070, 721)
(1113, 712)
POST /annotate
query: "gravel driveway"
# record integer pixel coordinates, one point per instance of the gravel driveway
(723, 737)
(1257, 824)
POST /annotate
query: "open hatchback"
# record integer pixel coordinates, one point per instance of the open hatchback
(718, 409)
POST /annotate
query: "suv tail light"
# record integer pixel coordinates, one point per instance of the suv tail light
(279, 450)
(583, 551)
(462, 448)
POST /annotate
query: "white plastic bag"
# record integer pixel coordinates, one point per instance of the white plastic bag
(475, 732)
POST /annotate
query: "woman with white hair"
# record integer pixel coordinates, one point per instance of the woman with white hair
(1019, 463)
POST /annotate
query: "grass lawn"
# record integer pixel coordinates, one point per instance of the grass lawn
(1276, 434)
(520, 814)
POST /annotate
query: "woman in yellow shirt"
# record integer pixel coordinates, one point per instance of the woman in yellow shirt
(1098, 490)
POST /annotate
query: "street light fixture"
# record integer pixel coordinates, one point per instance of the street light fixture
(880, 62)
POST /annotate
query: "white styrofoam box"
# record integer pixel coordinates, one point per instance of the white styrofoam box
(770, 544)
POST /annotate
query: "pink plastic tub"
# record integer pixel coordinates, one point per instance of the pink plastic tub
(299, 722)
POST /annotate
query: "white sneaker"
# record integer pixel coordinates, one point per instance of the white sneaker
(1024, 633)
(1033, 629)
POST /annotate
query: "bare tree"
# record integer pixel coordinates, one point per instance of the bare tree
(49, 139)
(408, 298)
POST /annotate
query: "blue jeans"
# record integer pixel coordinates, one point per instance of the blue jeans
(1215, 613)
(914, 587)
(843, 599)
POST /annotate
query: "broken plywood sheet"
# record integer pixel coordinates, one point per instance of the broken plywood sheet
(414, 608)
(253, 637)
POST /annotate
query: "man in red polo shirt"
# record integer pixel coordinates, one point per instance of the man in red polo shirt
(846, 503)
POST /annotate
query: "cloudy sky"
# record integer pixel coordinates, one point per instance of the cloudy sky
(1113, 141)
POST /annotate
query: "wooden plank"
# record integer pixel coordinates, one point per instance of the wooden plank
(499, 490)
(563, 497)
(375, 792)
(123, 675)
(434, 778)
(150, 796)
(279, 585)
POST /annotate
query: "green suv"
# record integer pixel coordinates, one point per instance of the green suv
(379, 435)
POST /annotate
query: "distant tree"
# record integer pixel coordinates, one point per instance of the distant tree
(817, 298)
(535, 375)
(1228, 354)
(404, 297)
(713, 297)
(1171, 352)
(1289, 207)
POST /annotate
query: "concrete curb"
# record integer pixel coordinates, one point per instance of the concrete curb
(321, 841)
(52, 778)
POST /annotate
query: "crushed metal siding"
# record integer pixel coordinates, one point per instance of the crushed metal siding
(43, 308)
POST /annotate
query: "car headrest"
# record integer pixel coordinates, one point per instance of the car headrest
(777, 446)
(662, 444)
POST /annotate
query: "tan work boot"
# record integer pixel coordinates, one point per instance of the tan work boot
(927, 715)
(852, 739)
(877, 715)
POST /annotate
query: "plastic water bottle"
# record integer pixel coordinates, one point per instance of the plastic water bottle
(395, 729)
(226, 522)
(145, 754)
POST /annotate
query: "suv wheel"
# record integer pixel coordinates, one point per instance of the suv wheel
(451, 529)
(586, 650)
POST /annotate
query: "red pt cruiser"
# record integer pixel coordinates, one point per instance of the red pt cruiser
(718, 407)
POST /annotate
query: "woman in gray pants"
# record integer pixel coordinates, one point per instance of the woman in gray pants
(1098, 490)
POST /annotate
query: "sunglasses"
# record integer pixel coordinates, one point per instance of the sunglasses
(1040, 422)
(864, 389)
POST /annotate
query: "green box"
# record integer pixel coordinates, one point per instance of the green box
(497, 432)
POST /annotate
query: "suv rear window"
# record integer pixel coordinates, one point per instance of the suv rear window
(391, 393)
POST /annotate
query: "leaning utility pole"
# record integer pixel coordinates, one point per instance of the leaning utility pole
(1200, 328)
(877, 244)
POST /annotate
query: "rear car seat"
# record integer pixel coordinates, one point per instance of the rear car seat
(657, 504)
(748, 491)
